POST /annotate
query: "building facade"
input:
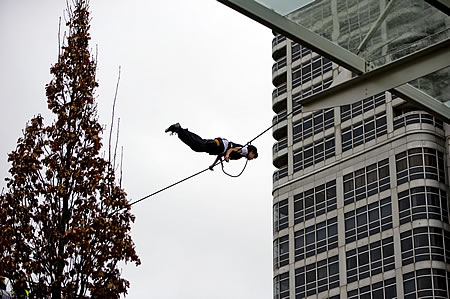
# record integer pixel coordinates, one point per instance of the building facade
(360, 203)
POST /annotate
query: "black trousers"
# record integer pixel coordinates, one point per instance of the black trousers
(198, 144)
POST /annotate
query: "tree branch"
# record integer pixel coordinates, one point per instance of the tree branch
(112, 115)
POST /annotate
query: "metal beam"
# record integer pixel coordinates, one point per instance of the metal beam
(387, 77)
(442, 5)
(299, 34)
(422, 100)
(370, 82)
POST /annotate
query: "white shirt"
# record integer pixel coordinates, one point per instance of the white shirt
(244, 151)
(225, 145)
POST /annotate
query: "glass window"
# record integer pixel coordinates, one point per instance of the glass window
(375, 254)
(360, 181)
(368, 259)
(374, 214)
(363, 131)
(310, 238)
(415, 160)
(363, 258)
(383, 171)
(349, 223)
(406, 244)
(320, 196)
(372, 176)
(281, 218)
(321, 234)
(317, 201)
(348, 184)
(361, 219)
(424, 282)
(409, 286)
(332, 230)
(331, 190)
(309, 201)
(388, 250)
(430, 160)
(401, 165)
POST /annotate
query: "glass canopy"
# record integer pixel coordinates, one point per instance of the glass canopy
(377, 30)
(284, 7)
(364, 35)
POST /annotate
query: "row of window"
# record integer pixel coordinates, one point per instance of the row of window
(419, 244)
(299, 52)
(282, 89)
(281, 252)
(370, 260)
(363, 262)
(420, 163)
(279, 174)
(317, 277)
(416, 118)
(358, 133)
(304, 93)
(280, 215)
(310, 241)
(366, 181)
(315, 201)
(282, 144)
(423, 244)
(414, 203)
(279, 117)
(364, 131)
(281, 286)
(313, 124)
(410, 165)
(278, 39)
(426, 283)
(316, 239)
(447, 246)
(296, 103)
(310, 70)
(413, 164)
(324, 275)
(423, 203)
(309, 91)
(355, 135)
(279, 64)
(360, 107)
(381, 290)
(314, 153)
(368, 220)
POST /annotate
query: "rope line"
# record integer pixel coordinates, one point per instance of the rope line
(170, 186)
(202, 171)
(231, 175)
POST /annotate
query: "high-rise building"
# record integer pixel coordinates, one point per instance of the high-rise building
(360, 194)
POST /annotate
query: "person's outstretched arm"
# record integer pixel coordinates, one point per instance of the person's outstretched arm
(214, 164)
(229, 151)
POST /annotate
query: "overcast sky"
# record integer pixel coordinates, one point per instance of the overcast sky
(194, 62)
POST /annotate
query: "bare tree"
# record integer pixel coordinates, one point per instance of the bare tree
(65, 220)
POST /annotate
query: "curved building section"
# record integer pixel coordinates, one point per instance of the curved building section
(360, 194)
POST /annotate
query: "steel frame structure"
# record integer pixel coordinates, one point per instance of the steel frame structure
(392, 76)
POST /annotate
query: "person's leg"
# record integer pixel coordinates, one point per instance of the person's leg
(195, 142)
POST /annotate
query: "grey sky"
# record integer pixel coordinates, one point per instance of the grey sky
(196, 62)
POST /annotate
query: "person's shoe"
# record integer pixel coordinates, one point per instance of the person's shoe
(174, 128)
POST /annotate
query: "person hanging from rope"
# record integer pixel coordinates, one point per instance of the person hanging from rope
(219, 147)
